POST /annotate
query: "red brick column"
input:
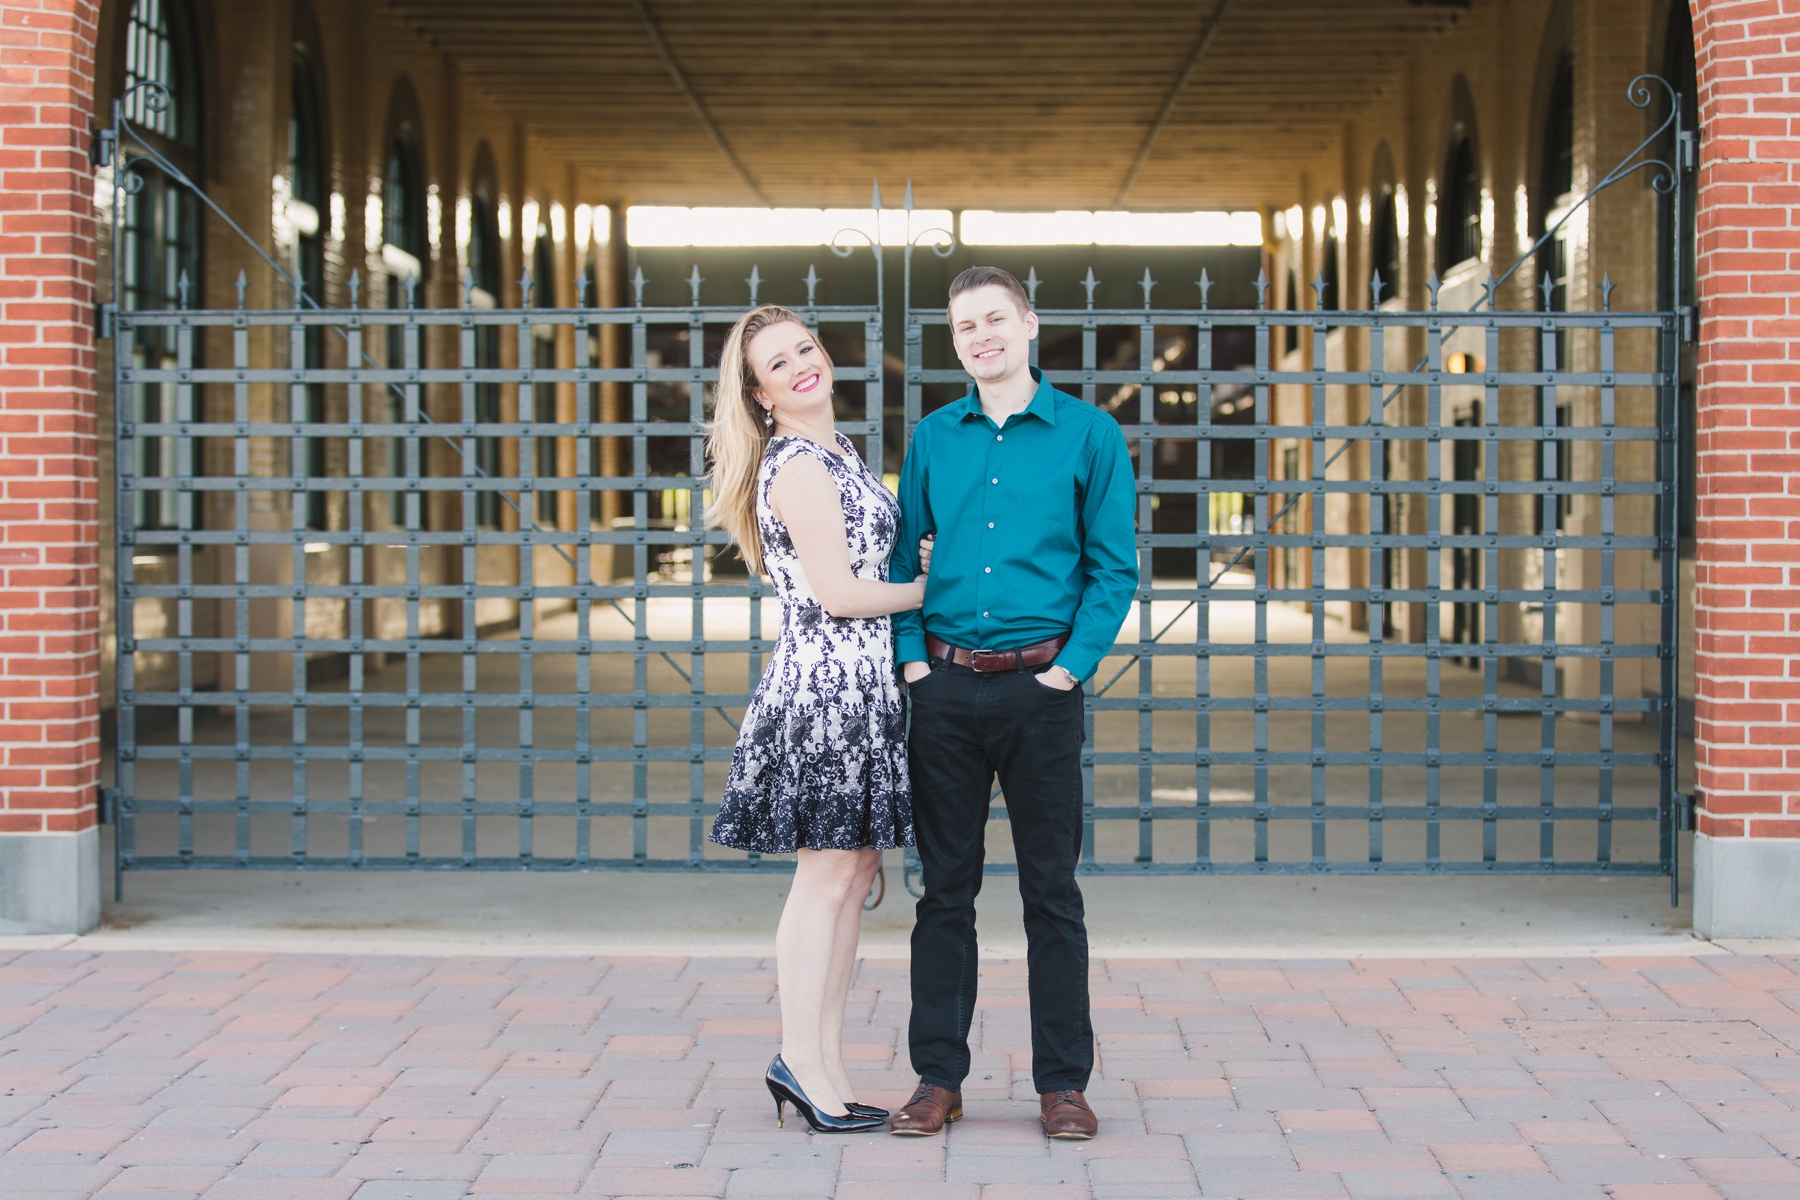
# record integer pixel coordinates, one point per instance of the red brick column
(1747, 564)
(49, 476)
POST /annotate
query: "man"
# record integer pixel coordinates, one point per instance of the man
(1028, 492)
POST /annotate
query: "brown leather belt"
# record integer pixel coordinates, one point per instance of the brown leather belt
(984, 661)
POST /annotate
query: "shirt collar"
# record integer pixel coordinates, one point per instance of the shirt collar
(1042, 406)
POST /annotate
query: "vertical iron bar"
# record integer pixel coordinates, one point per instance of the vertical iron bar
(418, 515)
(1490, 610)
(1146, 673)
(587, 399)
(529, 486)
(1434, 574)
(1379, 550)
(640, 577)
(1203, 447)
(1608, 582)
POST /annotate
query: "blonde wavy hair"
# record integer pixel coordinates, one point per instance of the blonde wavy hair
(739, 433)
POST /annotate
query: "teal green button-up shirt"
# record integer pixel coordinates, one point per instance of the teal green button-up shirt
(1035, 536)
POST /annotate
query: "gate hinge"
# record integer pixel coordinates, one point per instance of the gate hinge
(1688, 810)
(103, 319)
(1687, 314)
(1690, 150)
(100, 150)
(109, 806)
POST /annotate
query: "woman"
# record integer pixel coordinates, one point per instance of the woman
(820, 767)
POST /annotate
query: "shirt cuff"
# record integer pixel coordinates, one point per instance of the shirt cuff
(910, 647)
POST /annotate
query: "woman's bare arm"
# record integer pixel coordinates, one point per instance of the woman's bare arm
(806, 500)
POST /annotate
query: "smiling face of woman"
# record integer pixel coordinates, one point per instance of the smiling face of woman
(793, 375)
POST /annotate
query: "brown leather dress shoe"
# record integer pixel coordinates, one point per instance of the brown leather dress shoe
(1067, 1115)
(929, 1110)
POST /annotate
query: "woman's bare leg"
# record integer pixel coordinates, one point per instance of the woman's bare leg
(805, 944)
(843, 967)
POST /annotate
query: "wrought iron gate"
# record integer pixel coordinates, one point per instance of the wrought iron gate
(1408, 602)
(1429, 652)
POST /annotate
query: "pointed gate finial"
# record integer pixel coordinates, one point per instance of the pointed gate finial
(1032, 283)
(637, 287)
(1607, 287)
(1147, 284)
(694, 281)
(410, 285)
(812, 285)
(355, 286)
(1090, 283)
(1432, 285)
(468, 288)
(1205, 284)
(581, 287)
(1548, 288)
(755, 282)
(1318, 286)
(1262, 288)
(1375, 286)
(525, 285)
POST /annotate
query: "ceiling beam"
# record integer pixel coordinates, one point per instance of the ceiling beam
(706, 121)
(1168, 108)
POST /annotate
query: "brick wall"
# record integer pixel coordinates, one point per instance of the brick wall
(49, 582)
(1747, 562)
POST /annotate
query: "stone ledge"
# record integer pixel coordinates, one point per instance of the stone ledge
(1746, 887)
(49, 882)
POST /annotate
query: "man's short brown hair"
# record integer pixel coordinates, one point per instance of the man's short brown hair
(980, 277)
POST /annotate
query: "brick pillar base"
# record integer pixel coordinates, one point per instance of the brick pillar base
(49, 519)
(1747, 554)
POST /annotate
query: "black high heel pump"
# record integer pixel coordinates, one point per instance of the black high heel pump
(866, 1110)
(786, 1090)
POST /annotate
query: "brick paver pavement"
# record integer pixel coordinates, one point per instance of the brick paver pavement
(294, 1077)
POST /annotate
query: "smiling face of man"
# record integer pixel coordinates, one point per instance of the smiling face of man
(992, 333)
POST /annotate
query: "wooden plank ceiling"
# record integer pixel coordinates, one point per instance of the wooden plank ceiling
(1037, 106)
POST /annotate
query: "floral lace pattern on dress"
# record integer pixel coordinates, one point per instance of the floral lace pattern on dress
(821, 758)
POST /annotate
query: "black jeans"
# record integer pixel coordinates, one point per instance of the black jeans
(966, 728)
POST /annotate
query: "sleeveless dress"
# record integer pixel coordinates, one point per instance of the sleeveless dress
(821, 756)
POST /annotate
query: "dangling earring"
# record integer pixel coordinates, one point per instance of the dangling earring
(769, 418)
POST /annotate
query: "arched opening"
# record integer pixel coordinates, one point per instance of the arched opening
(1331, 257)
(485, 274)
(1459, 212)
(403, 256)
(1384, 224)
(307, 192)
(1676, 232)
(1556, 182)
(159, 261)
(1384, 242)
(543, 355)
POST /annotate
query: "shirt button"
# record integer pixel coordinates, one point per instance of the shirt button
(996, 479)
(988, 570)
(984, 612)
(990, 524)
(999, 437)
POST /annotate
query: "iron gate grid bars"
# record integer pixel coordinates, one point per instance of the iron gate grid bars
(412, 429)
(1268, 808)
(1273, 498)
(1550, 441)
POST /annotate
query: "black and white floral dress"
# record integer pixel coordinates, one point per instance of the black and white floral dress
(821, 759)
